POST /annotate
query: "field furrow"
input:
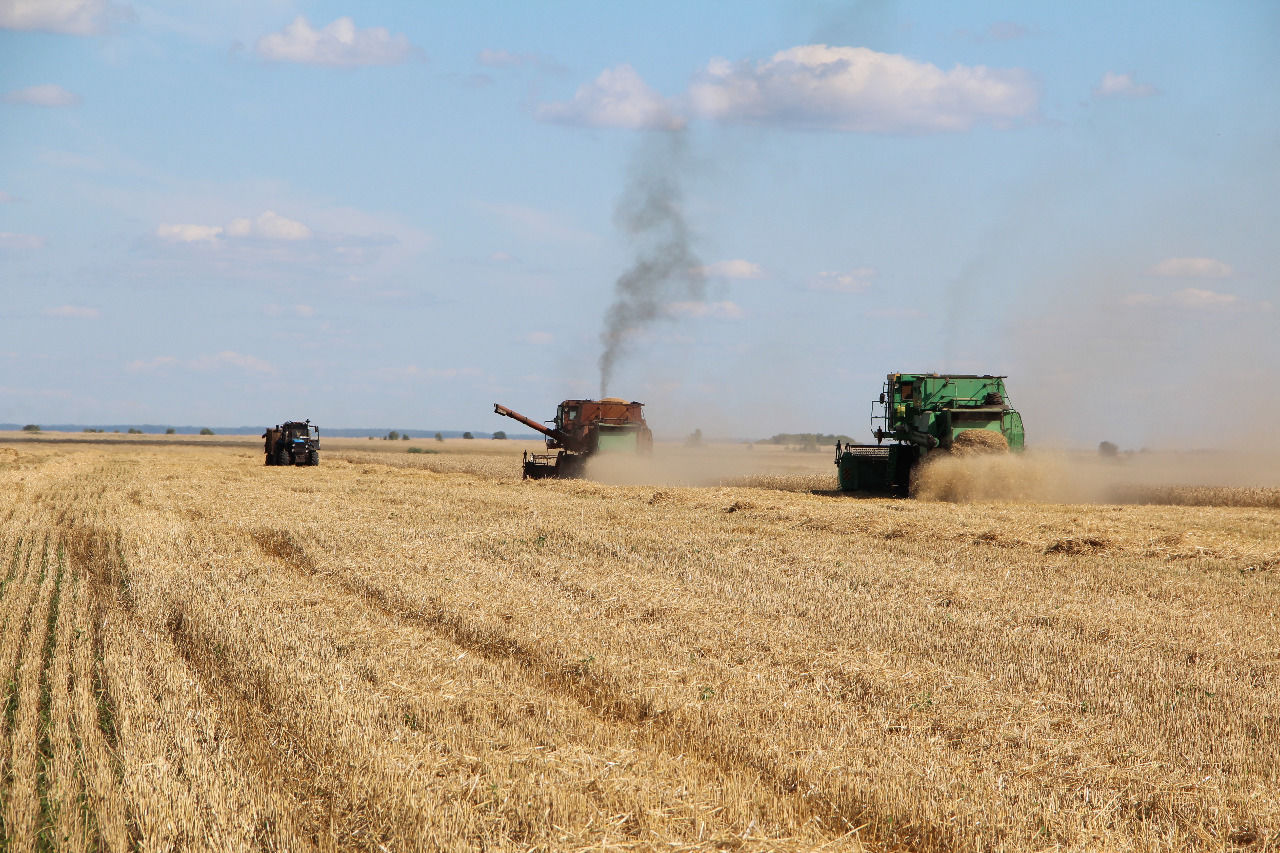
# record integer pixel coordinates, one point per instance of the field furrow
(24, 816)
(62, 780)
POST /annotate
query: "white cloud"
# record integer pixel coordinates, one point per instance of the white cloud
(1193, 297)
(9, 240)
(80, 311)
(539, 338)
(73, 17)
(44, 95)
(1115, 85)
(853, 281)
(715, 310)
(736, 268)
(861, 90)
(189, 233)
(268, 225)
(1192, 268)
(339, 44)
(619, 97)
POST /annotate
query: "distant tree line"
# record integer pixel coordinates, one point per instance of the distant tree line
(807, 440)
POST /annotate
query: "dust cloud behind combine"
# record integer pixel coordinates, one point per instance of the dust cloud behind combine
(1206, 478)
(1203, 478)
(665, 268)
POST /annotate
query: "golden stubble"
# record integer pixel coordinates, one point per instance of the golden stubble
(421, 651)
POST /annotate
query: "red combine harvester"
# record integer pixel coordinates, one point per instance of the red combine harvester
(582, 428)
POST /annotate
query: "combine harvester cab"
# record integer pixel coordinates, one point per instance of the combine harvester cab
(925, 413)
(292, 443)
(581, 429)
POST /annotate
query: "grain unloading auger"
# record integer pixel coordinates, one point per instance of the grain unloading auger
(927, 413)
(582, 428)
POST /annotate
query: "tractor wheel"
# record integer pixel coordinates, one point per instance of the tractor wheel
(282, 457)
(313, 457)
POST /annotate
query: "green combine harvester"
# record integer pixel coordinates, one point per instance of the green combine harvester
(924, 413)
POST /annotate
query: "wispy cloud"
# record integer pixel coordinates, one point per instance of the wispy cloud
(540, 338)
(44, 95)
(1113, 85)
(1194, 297)
(340, 43)
(77, 311)
(9, 240)
(1192, 268)
(533, 222)
(71, 17)
(298, 310)
(851, 281)
(146, 365)
(860, 90)
(714, 310)
(1189, 297)
(218, 361)
(736, 268)
(618, 97)
(507, 59)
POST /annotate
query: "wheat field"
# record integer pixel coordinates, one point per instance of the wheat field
(401, 651)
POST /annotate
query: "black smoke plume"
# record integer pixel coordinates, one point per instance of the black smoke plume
(665, 269)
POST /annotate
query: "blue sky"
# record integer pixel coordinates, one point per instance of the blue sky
(395, 214)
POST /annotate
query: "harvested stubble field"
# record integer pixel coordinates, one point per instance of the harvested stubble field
(401, 652)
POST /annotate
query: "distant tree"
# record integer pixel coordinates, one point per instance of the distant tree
(500, 435)
(206, 431)
(467, 435)
(439, 437)
(694, 439)
(393, 436)
(1106, 448)
(170, 431)
(134, 431)
(404, 437)
(90, 429)
(31, 428)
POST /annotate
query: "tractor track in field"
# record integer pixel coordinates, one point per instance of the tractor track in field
(243, 699)
(839, 813)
